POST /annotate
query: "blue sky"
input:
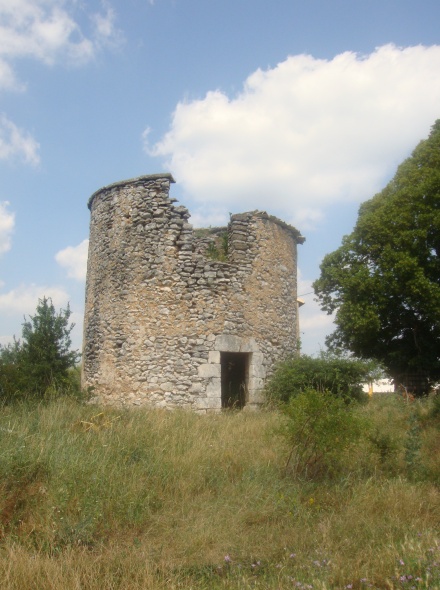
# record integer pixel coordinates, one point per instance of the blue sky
(301, 108)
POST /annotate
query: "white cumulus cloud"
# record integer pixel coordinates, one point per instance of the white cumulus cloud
(105, 31)
(306, 134)
(17, 143)
(74, 260)
(24, 299)
(314, 324)
(48, 31)
(7, 222)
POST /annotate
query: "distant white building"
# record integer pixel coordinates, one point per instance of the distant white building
(379, 386)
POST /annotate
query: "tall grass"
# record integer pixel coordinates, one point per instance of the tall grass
(118, 499)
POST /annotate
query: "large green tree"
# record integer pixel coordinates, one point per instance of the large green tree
(383, 282)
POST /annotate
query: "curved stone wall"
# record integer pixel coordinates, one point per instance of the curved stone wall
(164, 321)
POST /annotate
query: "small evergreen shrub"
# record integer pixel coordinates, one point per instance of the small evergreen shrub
(41, 364)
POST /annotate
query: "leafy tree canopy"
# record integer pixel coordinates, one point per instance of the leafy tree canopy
(383, 282)
(43, 357)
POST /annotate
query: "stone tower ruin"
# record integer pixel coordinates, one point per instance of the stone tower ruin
(179, 317)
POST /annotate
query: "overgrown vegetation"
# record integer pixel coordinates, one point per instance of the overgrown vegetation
(218, 249)
(105, 498)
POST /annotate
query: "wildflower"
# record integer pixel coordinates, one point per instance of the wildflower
(401, 562)
(292, 555)
(228, 558)
(349, 586)
(255, 564)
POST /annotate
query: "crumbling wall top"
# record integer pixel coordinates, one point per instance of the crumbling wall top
(263, 215)
(137, 180)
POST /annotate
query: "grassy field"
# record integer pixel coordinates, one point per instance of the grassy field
(147, 499)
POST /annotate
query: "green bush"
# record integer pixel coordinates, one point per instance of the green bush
(341, 376)
(320, 428)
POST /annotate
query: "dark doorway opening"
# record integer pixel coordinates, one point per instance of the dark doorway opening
(235, 374)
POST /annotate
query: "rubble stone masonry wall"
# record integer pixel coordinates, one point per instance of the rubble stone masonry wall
(160, 312)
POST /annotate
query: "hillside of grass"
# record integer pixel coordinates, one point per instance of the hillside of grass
(94, 498)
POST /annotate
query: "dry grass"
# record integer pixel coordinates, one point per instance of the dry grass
(126, 500)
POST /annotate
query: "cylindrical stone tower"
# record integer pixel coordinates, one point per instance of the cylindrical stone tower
(182, 317)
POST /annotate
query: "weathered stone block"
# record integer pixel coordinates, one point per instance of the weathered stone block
(166, 386)
(228, 343)
(256, 383)
(196, 388)
(207, 371)
(214, 387)
(214, 356)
